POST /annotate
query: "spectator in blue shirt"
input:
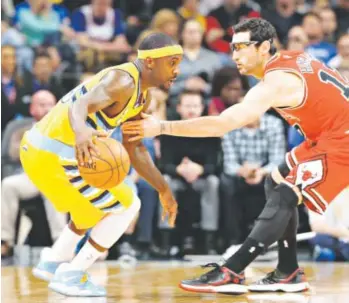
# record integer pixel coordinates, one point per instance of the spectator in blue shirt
(99, 26)
(40, 21)
(317, 47)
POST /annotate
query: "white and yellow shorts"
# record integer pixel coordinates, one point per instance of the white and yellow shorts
(52, 167)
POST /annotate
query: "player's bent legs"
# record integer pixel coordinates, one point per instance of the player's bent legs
(269, 228)
(71, 278)
(287, 245)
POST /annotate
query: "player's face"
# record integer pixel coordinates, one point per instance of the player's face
(165, 70)
(247, 54)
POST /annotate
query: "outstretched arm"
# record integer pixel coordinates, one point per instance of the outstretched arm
(277, 89)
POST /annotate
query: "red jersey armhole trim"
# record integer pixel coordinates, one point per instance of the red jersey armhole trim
(305, 87)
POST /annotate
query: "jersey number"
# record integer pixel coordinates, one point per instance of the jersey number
(327, 78)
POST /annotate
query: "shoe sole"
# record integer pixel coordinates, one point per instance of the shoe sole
(280, 287)
(229, 289)
(71, 292)
(41, 274)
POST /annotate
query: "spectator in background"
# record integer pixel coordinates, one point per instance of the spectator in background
(137, 18)
(157, 5)
(190, 10)
(329, 24)
(228, 86)
(190, 167)
(19, 187)
(99, 27)
(197, 66)
(40, 21)
(10, 83)
(297, 39)
(332, 230)
(317, 47)
(164, 21)
(284, 16)
(342, 13)
(41, 78)
(158, 105)
(220, 21)
(249, 154)
(343, 51)
(207, 6)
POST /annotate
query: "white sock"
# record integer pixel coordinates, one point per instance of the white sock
(64, 248)
(86, 257)
(105, 234)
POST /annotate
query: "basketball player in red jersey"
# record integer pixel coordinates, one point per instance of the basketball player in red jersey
(312, 98)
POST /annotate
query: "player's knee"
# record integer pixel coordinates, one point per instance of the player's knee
(281, 197)
(9, 183)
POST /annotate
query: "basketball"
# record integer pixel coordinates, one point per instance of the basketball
(109, 168)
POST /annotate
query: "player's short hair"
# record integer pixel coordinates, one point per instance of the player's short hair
(156, 40)
(260, 30)
(191, 92)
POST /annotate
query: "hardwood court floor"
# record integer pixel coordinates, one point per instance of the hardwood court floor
(157, 282)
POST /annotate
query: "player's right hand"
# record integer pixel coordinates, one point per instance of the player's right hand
(84, 144)
(169, 205)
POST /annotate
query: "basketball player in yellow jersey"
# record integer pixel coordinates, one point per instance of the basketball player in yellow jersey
(50, 152)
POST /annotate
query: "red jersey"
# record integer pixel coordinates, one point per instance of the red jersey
(324, 111)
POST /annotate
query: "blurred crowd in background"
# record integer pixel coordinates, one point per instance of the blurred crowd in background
(50, 46)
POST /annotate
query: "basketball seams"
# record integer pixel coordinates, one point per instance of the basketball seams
(112, 154)
(111, 168)
(106, 178)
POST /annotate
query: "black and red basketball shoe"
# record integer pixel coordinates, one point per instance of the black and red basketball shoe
(277, 281)
(219, 280)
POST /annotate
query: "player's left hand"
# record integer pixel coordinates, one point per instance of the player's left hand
(169, 205)
(147, 127)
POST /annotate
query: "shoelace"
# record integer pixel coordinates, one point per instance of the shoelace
(216, 268)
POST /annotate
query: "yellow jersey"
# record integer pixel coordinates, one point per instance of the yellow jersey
(56, 124)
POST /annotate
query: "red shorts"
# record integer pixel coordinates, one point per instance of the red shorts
(321, 171)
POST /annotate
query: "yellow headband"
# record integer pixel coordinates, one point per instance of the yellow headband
(160, 52)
